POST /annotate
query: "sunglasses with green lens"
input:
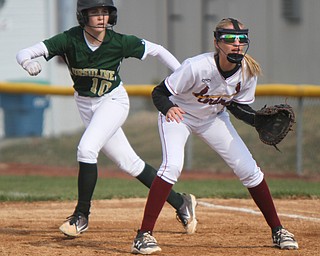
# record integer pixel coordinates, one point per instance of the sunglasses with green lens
(230, 38)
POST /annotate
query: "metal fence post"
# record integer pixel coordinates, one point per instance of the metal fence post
(300, 137)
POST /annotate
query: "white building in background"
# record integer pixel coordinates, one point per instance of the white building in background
(284, 35)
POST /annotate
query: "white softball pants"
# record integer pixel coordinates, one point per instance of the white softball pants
(103, 118)
(219, 134)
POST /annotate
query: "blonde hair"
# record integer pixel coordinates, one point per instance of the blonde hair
(254, 68)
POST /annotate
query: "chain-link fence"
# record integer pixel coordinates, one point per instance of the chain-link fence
(298, 154)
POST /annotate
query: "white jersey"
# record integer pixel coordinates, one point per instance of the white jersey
(201, 91)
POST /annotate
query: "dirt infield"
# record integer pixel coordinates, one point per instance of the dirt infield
(226, 227)
(32, 229)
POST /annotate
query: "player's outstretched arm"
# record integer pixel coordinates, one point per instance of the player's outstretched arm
(162, 54)
(25, 58)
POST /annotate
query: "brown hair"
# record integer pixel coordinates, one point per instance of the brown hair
(254, 68)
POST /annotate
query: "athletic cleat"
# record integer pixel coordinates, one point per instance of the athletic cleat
(283, 239)
(76, 224)
(145, 243)
(187, 213)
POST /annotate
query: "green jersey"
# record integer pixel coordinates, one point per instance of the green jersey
(94, 73)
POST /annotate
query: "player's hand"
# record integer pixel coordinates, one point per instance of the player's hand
(175, 114)
(33, 67)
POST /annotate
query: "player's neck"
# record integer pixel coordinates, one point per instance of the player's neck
(93, 36)
(226, 72)
(225, 65)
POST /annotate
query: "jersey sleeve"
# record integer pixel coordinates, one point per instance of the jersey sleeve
(56, 45)
(182, 79)
(133, 47)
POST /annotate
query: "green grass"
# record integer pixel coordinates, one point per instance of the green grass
(142, 132)
(39, 188)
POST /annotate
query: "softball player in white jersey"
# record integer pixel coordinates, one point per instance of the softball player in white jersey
(194, 99)
(93, 53)
(202, 93)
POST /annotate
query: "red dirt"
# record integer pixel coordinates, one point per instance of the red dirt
(44, 170)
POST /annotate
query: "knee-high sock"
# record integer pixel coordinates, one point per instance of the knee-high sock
(262, 197)
(87, 179)
(147, 176)
(158, 194)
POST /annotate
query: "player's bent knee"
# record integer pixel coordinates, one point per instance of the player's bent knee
(253, 180)
(170, 173)
(86, 155)
(249, 173)
(134, 168)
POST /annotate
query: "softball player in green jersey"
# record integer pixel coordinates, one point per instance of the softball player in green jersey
(93, 53)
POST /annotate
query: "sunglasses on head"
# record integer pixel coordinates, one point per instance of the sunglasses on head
(231, 38)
